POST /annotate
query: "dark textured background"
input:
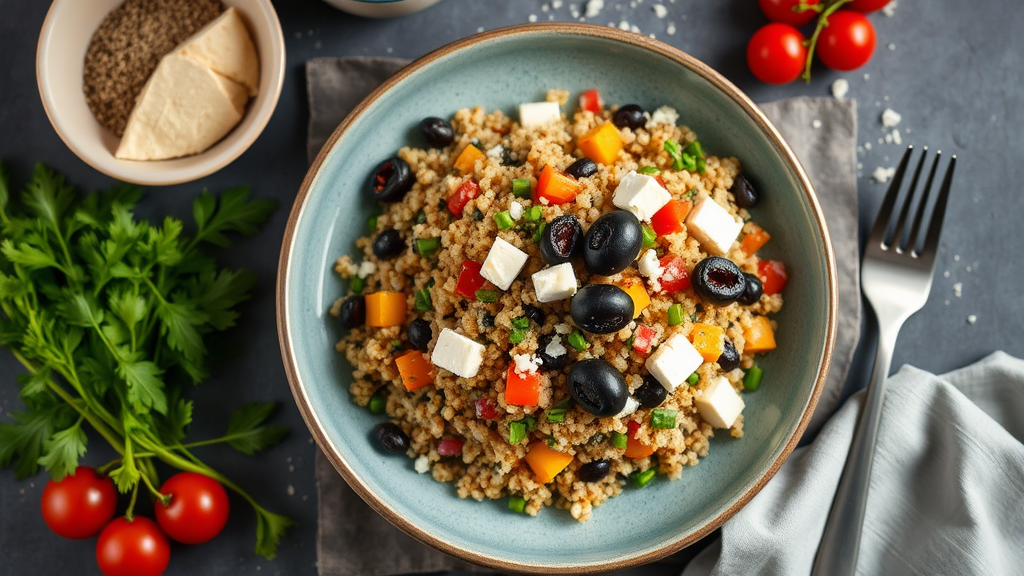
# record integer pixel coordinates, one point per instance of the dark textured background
(953, 69)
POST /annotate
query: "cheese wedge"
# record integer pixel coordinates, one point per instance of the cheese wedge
(224, 45)
(184, 109)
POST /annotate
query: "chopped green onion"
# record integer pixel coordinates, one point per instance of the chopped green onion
(619, 440)
(521, 322)
(675, 314)
(396, 345)
(421, 216)
(540, 230)
(692, 379)
(577, 341)
(689, 195)
(504, 220)
(641, 479)
(517, 504)
(695, 149)
(672, 147)
(371, 222)
(428, 247)
(430, 283)
(551, 441)
(661, 418)
(702, 165)
(488, 296)
(531, 423)
(517, 335)
(752, 380)
(688, 162)
(516, 432)
(649, 170)
(521, 188)
(556, 415)
(650, 236)
(533, 213)
(564, 403)
(377, 403)
(356, 284)
(423, 301)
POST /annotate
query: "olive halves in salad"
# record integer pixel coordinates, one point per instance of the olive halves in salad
(601, 308)
(718, 280)
(598, 387)
(582, 168)
(612, 243)
(388, 244)
(353, 312)
(437, 131)
(561, 240)
(391, 180)
(629, 116)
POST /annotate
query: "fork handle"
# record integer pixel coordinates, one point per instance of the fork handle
(837, 553)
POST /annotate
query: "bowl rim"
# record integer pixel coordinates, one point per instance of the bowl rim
(189, 173)
(330, 449)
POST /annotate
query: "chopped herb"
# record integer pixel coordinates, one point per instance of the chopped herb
(675, 314)
(619, 440)
(477, 215)
(664, 419)
(692, 379)
(688, 162)
(428, 247)
(533, 213)
(752, 380)
(371, 223)
(518, 335)
(577, 341)
(551, 441)
(421, 217)
(521, 322)
(564, 403)
(516, 432)
(649, 170)
(641, 479)
(488, 296)
(377, 403)
(650, 236)
(690, 194)
(356, 284)
(672, 147)
(539, 232)
(597, 438)
(517, 504)
(702, 165)
(630, 340)
(504, 220)
(695, 149)
(521, 188)
(531, 423)
(430, 283)
(423, 300)
(396, 345)
(556, 415)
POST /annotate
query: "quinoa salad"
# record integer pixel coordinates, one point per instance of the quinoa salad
(557, 307)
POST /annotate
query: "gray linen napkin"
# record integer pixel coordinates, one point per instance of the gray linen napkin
(348, 527)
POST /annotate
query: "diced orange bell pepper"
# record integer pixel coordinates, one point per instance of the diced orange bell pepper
(759, 334)
(556, 187)
(466, 161)
(545, 462)
(602, 144)
(669, 219)
(754, 240)
(522, 389)
(416, 371)
(634, 447)
(385, 309)
(635, 288)
(708, 340)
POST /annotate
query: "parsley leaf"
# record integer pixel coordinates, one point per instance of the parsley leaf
(62, 451)
(245, 432)
(234, 213)
(269, 529)
(145, 389)
(22, 441)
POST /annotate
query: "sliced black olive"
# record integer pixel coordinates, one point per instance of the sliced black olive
(751, 291)
(582, 168)
(390, 180)
(651, 393)
(388, 244)
(391, 437)
(612, 243)
(629, 116)
(552, 362)
(718, 280)
(437, 131)
(561, 240)
(598, 387)
(601, 308)
(353, 312)
(594, 471)
(488, 320)
(533, 313)
(419, 334)
(730, 358)
(743, 191)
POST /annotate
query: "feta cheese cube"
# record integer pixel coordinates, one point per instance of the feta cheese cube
(713, 226)
(457, 354)
(631, 406)
(503, 263)
(640, 194)
(535, 114)
(673, 362)
(555, 283)
(719, 404)
(649, 265)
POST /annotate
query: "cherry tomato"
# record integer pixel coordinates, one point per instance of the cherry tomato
(866, 6)
(773, 276)
(198, 510)
(847, 42)
(136, 548)
(782, 11)
(776, 53)
(80, 505)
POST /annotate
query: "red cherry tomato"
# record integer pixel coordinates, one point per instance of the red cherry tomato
(198, 510)
(866, 5)
(773, 276)
(782, 11)
(80, 505)
(776, 53)
(847, 42)
(136, 548)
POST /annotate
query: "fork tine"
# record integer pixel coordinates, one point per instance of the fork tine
(896, 239)
(916, 228)
(877, 236)
(931, 242)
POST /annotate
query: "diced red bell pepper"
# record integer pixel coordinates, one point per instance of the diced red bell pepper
(643, 338)
(674, 277)
(555, 187)
(486, 410)
(450, 446)
(591, 101)
(470, 279)
(634, 447)
(462, 195)
(669, 219)
(773, 276)
(522, 389)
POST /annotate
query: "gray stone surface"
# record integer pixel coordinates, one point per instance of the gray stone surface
(954, 71)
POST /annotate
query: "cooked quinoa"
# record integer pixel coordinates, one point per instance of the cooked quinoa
(474, 410)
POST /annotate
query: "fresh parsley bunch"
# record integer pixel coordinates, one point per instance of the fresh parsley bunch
(108, 315)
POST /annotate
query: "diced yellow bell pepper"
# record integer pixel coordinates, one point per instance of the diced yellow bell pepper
(709, 340)
(466, 161)
(635, 288)
(385, 309)
(602, 144)
(759, 334)
(545, 462)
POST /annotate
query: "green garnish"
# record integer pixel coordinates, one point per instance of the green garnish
(377, 403)
(521, 322)
(696, 151)
(664, 419)
(690, 194)
(577, 341)
(371, 223)
(517, 335)
(672, 147)
(619, 440)
(428, 247)
(516, 432)
(675, 314)
(421, 216)
(650, 236)
(692, 379)
(517, 504)
(504, 220)
(539, 232)
(551, 441)
(556, 415)
(533, 213)
(423, 300)
(531, 423)
(641, 479)
(752, 379)
(488, 296)
(649, 170)
(521, 188)
(356, 284)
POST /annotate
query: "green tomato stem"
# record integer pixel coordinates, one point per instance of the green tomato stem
(813, 42)
(129, 514)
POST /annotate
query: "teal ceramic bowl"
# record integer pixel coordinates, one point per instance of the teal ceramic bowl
(499, 70)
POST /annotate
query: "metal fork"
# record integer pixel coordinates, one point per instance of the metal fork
(896, 277)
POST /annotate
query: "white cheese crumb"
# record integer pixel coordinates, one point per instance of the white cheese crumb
(972, 319)
(665, 115)
(882, 175)
(524, 364)
(945, 274)
(291, 490)
(649, 265)
(958, 289)
(816, 123)
(479, 29)
(891, 46)
(889, 9)
(545, 8)
(562, 328)
(555, 347)
(956, 258)
(888, 138)
(556, 4)
(631, 406)
(532, 18)
(671, 28)
(366, 268)
(867, 77)
(896, 138)
(515, 210)
(422, 465)
(659, 10)
(496, 151)
(594, 8)
(840, 88)
(891, 118)
(624, 26)
(867, 145)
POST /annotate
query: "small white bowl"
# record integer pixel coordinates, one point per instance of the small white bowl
(60, 59)
(381, 8)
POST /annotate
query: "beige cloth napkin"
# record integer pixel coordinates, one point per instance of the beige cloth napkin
(352, 539)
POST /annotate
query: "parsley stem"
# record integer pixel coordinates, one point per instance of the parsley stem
(165, 499)
(129, 514)
(220, 440)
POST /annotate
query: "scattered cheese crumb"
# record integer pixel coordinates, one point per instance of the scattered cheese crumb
(659, 10)
(867, 76)
(671, 28)
(816, 123)
(532, 18)
(556, 4)
(555, 347)
(972, 319)
(945, 274)
(891, 118)
(562, 328)
(515, 210)
(891, 46)
(624, 26)
(882, 175)
(889, 9)
(291, 490)
(665, 115)
(496, 151)
(840, 88)
(366, 268)
(594, 8)
(867, 145)
(524, 364)
(422, 465)
(896, 138)
(958, 289)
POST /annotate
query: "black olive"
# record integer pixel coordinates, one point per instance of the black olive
(651, 393)
(533, 313)
(730, 358)
(629, 116)
(718, 280)
(353, 312)
(390, 180)
(488, 320)
(437, 131)
(552, 362)
(561, 240)
(582, 168)
(419, 334)
(743, 191)
(594, 471)
(388, 244)
(612, 243)
(598, 387)
(751, 291)
(601, 308)
(391, 437)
